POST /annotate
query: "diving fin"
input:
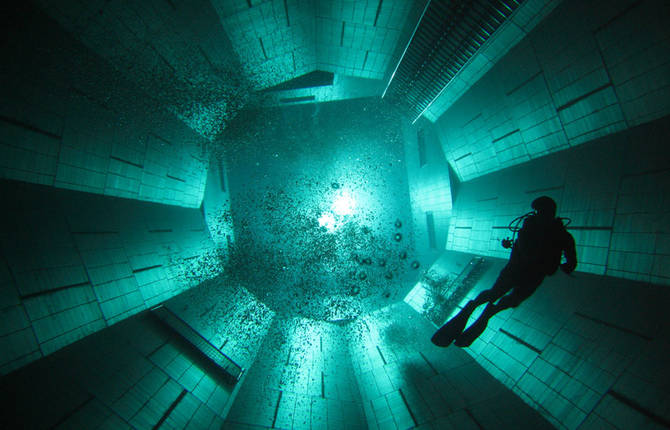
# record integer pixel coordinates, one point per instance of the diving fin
(454, 327)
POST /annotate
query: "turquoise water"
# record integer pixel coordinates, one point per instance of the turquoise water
(320, 207)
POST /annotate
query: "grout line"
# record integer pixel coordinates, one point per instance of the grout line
(323, 386)
(404, 400)
(176, 178)
(160, 138)
(584, 96)
(497, 139)
(521, 341)
(616, 206)
(538, 190)
(274, 419)
(549, 91)
(113, 157)
(463, 156)
(617, 16)
(75, 245)
(288, 21)
(68, 415)
(472, 417)
(260, 40)
(609, 78)
(379, 9)
(479, 115)
(209, 62)
(381, 355)
(146, 402)
(27, 126)
(639, 408)
(54, 290)
(648, 172)
(522, 84)
(172, 407)
(614, 326)
(143, 269)
(90, 98)
(428, 363)
(153, 351)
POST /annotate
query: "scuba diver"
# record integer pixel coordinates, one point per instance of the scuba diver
(536, 253)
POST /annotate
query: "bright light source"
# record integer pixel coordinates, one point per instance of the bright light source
(344, 204)
(327, 220)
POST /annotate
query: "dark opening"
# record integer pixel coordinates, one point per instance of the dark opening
(430, 225)
(316, 78)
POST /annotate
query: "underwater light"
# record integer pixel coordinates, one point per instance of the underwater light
(344, 204)
(327, 219)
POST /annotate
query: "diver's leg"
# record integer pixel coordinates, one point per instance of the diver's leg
(503, 284)
(455, 326)
(451, 329)
(511, 300)
(490, 295)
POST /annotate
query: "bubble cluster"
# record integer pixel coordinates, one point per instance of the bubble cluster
(318, 199)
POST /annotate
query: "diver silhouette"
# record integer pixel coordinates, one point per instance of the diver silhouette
(536, 253)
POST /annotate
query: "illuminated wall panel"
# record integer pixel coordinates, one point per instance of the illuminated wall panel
(70, 120)
(136, 374)
(588, 70)
(613, 190)
(74, 263)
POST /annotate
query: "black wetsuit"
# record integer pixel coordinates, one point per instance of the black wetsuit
(536, 254)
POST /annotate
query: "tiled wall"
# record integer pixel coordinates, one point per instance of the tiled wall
(524, 19)
(227, 315)
(216, 204)
(430, 186)
(73, 263)
(587, 351)
(279, 40)
(70, 120)
(302, 379)
(407, 382)
(134, 375)
(588, 70)
(177, 52)
(614, 189)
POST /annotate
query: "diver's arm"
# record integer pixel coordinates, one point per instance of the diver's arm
(570, 254)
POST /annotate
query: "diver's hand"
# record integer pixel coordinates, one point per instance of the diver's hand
(568, 268)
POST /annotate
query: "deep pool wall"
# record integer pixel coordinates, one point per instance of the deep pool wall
(74, 263)
(588, 70)
(588, 351)
(71, 119)
(135, 374)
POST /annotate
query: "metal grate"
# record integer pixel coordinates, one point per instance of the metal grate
(449, 34)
